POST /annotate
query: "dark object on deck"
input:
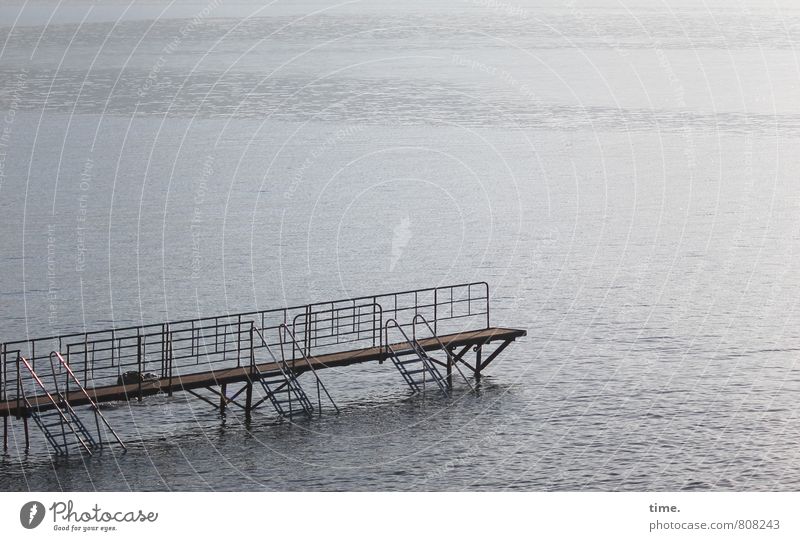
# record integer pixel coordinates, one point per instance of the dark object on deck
(131, 377)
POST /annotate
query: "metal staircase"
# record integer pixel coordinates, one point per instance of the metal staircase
(62, 427)
(452, 361)
(285, 393)
(413, 363)
(282, 388)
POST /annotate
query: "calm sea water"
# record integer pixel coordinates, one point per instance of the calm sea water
(626, 178)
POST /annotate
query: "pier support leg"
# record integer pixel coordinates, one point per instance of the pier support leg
(223, 401)
(27, 438)
(248, 399)
(5, 433)
(450, 370)
(478, 350)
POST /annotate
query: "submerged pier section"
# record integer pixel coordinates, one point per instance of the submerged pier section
(430, 336)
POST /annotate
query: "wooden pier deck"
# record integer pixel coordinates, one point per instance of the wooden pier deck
(212, 378)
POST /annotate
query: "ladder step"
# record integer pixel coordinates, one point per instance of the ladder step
(412, 361)
(297, 407)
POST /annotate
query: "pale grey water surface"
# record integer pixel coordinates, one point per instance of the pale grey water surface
(625, 176)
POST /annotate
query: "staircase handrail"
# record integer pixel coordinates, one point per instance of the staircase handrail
(429, 366)
(52, 401)
(96, 409)
(413, 343)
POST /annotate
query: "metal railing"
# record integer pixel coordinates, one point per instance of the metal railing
(100, 358)
(335, 326)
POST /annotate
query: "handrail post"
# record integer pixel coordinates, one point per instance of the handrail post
(163, 350)
(307, 333)
(239, 341)
(486, 285)
(3, 365)
(252, 349)
(139, 365)
(380, 325)
(374, 314)
(85, 355)
(435, 309)
(294, 329)
(169, 359)
(24, 415)
(19, 386)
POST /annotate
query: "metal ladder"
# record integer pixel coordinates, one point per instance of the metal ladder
(413, 363)
(284, 329)
(60, 424)
(452, 361)
(282, 389)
